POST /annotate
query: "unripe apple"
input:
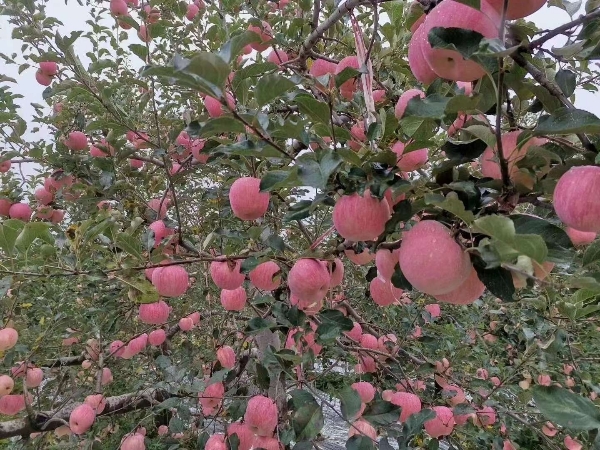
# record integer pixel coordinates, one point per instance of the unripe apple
(7, 384)
(171, 281)
(244, 434)
(8, 338)
(144, 34)
(431, 260)
(517, 9)
(226, 357)
(246, 200)
(227, 274)
(348, 88)
(362, 428)
(186, 324)
(409, 403)
(360, 218)
(42, 78)
(154, 313)
(465, 294)
(309, 280)
(82, 418)
(5, 205)
(419, 66)
(12, 404)
(577, 237)
(157, 337)
(412, 160)
(266, 276)
(442, 424)
(133, 442)
(278, 57)
(265, 33)
(234, 299)
(21, 211)
(404, 99)
(383, 292)
(192, 11)
(261, 415)
(450, 64)
(576, 201)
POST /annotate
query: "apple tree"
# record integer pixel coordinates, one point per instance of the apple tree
(226, 221)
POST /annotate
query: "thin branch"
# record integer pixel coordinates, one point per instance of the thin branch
(316, 12)
(562, 29)
(499, 101)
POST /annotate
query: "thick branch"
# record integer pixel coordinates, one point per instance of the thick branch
(51, 420)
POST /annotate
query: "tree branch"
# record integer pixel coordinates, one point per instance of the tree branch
(51, 420)
(562, 29)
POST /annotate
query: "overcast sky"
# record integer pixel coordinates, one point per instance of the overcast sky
(547, 18)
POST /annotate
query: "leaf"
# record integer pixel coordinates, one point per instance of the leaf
(130, 245)
(498, 281)
(465, 151)
(347, 74)
(360, 442)
(316, 173)
(276, 179)
(452, 204)
(210, 68)
(568, 121)
(432, 106)
(313, 108)
(9, 230)
(223, 124)
(350, 403)
(258, 324)
(592, 254)
(567, 81)
(381, 413)
(32, 231)
(233, 47)
(333, 323)
(565, 408)
(307, 418)
(502, 230)
(464, 41)
(271, 86)
(141, 51)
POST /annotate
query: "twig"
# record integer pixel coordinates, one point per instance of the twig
(562, 29)
(499, 101)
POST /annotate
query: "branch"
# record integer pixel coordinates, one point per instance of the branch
(504, 170)
(562, 29)
(553, 89)
(51, 420)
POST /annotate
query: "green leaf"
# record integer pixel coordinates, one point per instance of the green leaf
(592, 254)
(565, 408)
(503, 231)
(360, 442)
(141, 51)
(452, 204)
(567, 81)
(32, 231)
(432, 106)
(347, 74)
(350, 403)
(233, 47)
(271, 86)
(258, 324)
(210, 68)
(313, 108)
(223, 124)
(568, 121)
(130, 245)
(9, 230)
(316, 173)
(381, 413)
(333, 323)
(464, 41)
(307, 418)
(498, 281)
(276, 179)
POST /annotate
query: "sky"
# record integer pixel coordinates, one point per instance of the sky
(546, 18)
